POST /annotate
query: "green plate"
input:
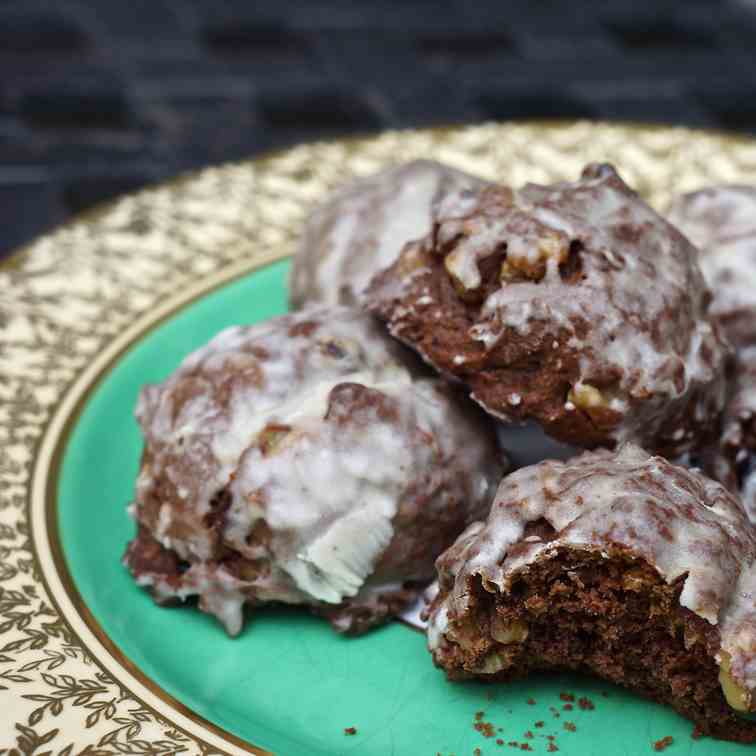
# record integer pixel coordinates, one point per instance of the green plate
(288, 683)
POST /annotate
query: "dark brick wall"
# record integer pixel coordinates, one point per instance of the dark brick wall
(100, 97)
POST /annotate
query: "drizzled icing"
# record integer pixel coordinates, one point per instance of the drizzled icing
(362, 228)
(591, 264)
(197, 423)
(331, 490)
(331, 455)
(681, 523)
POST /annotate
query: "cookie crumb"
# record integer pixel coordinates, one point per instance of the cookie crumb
(539, 723)
(477, 752)
(570, 726)
(566, 696)
(568, 707)
(499, 741)
(531, 702)
(529, 734)
(350, 731)
(660, 745)
(586, 704)
(552, 748)
(479, 715)
(555, 712)
(486, 729)
(525, 747)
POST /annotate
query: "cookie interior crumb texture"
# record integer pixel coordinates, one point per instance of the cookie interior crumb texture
(596, 565)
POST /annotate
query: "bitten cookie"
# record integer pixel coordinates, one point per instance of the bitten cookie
(301, 460)
(619, 564)
(361, 229)
(721, 220)
(573, 305)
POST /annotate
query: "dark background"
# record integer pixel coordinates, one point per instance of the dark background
(101, 97)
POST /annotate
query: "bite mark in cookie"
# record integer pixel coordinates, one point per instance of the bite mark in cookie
(618, 564)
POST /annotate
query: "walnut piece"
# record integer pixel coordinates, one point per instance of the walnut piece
(736, 695)
(508, 632)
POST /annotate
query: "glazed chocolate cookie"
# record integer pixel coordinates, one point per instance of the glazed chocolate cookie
(573, 305)
(617, 564)
(721, 220)
(361, 229)
(301, 460)
(739, 436)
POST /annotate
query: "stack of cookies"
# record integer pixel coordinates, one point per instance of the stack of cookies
(547, 391)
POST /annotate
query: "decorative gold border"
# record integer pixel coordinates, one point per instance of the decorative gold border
(13, 259)
(83, 390)
(279, 188)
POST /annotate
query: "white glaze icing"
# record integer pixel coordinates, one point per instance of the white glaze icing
(628, 279)
(362, 228)
(222, 395)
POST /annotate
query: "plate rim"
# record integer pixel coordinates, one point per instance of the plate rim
(43, 495)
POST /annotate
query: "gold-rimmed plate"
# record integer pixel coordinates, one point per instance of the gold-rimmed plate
(114, 300)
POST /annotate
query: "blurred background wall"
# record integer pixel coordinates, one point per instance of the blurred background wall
(99, 97)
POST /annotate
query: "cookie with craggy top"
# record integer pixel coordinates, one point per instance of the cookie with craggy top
(721, 221)
(304, 460)
(573, 305)
(618, 564)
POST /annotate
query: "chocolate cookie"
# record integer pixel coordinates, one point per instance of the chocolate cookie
(573, 305)
(302, 460)
(721, 220)
(618, 564)
(361, 229)
(733, 460)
